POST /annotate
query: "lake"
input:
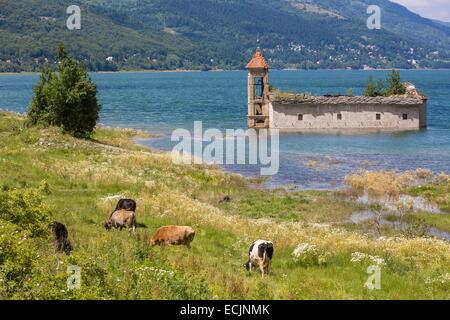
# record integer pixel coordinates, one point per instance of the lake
(163, 101)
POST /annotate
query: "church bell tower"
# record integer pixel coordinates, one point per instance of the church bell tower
(258, 91)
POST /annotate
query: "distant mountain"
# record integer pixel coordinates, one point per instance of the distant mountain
(445, 23)
(220, 34)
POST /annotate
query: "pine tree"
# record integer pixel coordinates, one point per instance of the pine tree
(67, 99)
(371, 90)
(380, 90)
(395, 85)
(374, 89)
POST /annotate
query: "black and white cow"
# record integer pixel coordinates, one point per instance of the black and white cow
(260, 255)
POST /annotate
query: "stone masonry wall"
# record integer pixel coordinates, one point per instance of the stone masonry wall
(325, 116)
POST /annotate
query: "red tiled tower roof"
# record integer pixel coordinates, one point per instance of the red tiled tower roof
(258, 61)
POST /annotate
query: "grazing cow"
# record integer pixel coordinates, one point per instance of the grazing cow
(121, 219)
(61, 236)
(126, 204)
(225, 199)
(173, 235)
(260, 255)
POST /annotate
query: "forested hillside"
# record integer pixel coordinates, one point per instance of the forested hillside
(219, 34)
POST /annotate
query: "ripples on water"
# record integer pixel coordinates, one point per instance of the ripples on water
(161, 102)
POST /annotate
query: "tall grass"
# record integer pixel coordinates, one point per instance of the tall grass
(84, 178)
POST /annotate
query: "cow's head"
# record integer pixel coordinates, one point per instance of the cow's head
(67, 246)
(108, 225)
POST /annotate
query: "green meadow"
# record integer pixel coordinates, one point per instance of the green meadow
(47, 176)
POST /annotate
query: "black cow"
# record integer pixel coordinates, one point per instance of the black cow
(126, 204)
(225, 199)
(61, 236)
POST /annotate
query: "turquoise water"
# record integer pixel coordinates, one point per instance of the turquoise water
(161, 102)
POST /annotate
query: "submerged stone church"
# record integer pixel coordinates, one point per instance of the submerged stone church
(268, 108)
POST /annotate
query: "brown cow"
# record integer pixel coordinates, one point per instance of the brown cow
(121, 219)
(173, 235)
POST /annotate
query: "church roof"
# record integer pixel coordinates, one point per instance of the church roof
(258, 61)
(289, 99)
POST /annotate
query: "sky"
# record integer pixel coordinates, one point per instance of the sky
(433, 9)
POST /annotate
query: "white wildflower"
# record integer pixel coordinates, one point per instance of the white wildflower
(303, 248)
(364, 257)
(309, 254)
(442, 279)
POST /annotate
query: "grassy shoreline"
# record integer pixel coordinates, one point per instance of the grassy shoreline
(84, 178)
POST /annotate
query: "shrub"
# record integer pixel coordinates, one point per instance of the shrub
(374, 89)
(387, 184)
(24, 221)
(25, 209)
(67, 99)
(443, 178)
(370, 88)
(17, 254)
(309, 255)
(395, 86)
(49, 282)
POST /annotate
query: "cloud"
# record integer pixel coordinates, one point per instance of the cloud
(433, 9)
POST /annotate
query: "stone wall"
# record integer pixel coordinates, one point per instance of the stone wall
(301, 113)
